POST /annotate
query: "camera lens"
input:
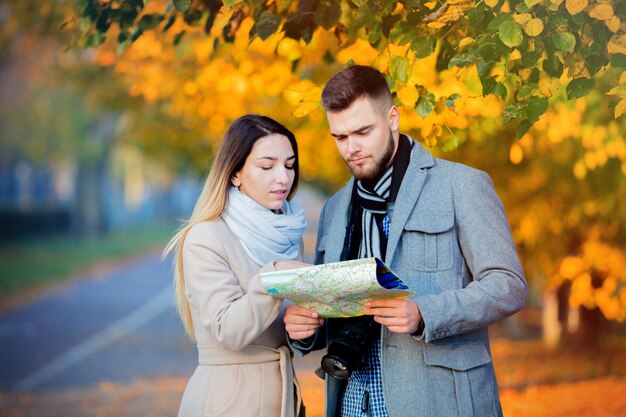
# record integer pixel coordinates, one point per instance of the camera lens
(346, 353)
(335, 367)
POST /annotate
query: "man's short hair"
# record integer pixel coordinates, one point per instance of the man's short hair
(353, 83)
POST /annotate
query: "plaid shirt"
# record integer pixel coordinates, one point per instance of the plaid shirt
(363, 396)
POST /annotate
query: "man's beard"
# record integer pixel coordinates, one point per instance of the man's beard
(379, 169)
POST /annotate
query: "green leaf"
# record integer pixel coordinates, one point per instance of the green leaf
(412, 4)
(451, 99)
(595, 63)
(183, 5)
(488, 83)
(496, 22)
(178, 37)
(513, 111)
(169, 23)
(476, 17)
(84, 24)
(525, 92)
(510, 33)
(522, 128)
(424, 106)
(328, 16)
(483, 68)
(424, 46)
(618, 60)
(536, 107)
(461, 61)
(94, 39)
(400, 68)
(267, 25)
(553, 66)
(150, 21)
(564, 41)
(451, 144)
(121, 47)
(579, 87)
(500, 91)
(359, 3)
(489, 52)
(530, 58)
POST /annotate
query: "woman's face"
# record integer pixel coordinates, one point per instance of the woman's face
(268, 173)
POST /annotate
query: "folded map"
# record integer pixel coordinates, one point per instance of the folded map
(338, 289)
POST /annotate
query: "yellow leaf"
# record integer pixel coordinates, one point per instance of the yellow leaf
(575, 6)
(531, 3)
(617, 45)
(408, 95)
(515, 54)
(436, 25)
(522, 18)
(516, 154)
(492, 3)
(455, 11)
(622, 78)
(613, 24)
(222, 19)
(290, 49)
(431, 4)
(533, 27)
(524, 73)
(580, 171)
(464, 42)
(554, 3)
(548, 86)
(620, 108)
(602, 12)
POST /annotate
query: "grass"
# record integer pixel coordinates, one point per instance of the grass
(31, 263)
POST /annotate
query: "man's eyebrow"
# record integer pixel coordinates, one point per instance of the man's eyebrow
(273, 158)
(360, 129)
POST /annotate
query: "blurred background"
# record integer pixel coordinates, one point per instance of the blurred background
(110, 113)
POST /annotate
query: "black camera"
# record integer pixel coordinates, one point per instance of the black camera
(346, 353)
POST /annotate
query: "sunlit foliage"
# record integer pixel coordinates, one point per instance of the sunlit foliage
(479, 73)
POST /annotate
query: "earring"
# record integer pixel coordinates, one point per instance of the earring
(237, 187)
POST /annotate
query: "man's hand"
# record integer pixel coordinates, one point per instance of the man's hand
(399, 316)
(301, 322)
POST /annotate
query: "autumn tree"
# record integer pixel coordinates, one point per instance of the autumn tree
(533, 90)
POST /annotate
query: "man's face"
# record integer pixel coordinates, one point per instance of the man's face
(366, 138)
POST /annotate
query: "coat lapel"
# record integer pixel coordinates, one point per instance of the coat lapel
(408, 194)
(337, 230)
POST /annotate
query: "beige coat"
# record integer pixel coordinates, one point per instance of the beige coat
(244, 366)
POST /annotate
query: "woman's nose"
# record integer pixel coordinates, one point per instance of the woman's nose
(282, 176)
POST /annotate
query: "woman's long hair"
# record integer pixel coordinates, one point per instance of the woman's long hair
(231, 156)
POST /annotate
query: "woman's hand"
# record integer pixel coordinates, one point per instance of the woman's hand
(282, 265)
(301, 322)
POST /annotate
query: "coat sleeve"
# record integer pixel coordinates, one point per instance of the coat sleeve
(317, 341)
(498, 287)
(233, 316)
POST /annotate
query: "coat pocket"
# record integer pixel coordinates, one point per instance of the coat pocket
(462, 371)
(427, 242)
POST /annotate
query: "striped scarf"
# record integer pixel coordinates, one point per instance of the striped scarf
(374, 204)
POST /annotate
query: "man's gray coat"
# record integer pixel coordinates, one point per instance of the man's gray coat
(450, 241)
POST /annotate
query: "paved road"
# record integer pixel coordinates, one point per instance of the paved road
(116, 325)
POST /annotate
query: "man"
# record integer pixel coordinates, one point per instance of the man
(441, 227)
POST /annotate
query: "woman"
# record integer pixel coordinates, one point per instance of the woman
(242, 224)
